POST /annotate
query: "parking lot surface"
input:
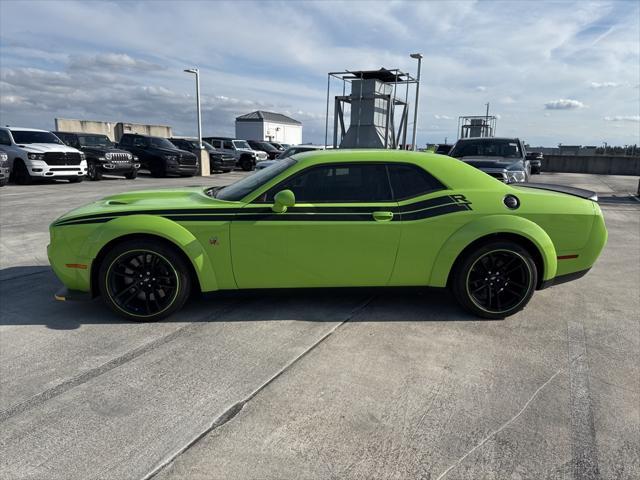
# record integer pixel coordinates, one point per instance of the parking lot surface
(318, 384)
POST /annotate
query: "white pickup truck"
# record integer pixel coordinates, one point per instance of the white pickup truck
(36, 154)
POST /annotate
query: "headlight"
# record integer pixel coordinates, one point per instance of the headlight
(129, 156)
(35, 156)
(3, 157)
(516, 176)
(108, 155)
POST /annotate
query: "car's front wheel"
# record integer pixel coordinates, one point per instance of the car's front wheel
(93, 172)
(496, 280)
(144, 280)
(131, 175)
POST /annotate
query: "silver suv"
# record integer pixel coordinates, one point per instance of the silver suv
(36, 154)
(246, 158)
(502, 158)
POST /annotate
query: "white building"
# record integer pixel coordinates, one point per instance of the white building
(273, 127)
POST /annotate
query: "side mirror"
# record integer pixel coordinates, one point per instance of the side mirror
(283, 200)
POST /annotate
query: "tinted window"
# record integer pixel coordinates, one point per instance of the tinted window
(94, 141)
(228, 145)
(338, 184)
(125, 140)
(162, 143)
(27, 136)
(4, 138)
(487, 147)
(140, 142)
(240, 189)
(410, 181)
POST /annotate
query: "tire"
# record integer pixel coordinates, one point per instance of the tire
(21, 174)
(246, 164)
(129, 265)
(76, 179)
(3, 182)
(483, 287)
(131, 175)
(93, 173)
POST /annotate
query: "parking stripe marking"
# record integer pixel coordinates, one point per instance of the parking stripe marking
(583, 432)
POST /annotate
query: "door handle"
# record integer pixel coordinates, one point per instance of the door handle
(382, 216)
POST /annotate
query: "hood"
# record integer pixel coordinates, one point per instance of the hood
(103, 150)
(494, 162)
(171, 151)
(150, 202)
(47, 147)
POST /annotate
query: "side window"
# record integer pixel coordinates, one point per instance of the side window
(4, 138)
(410, 181)
(125, 141)
(355, 183)
(140, 142)
(228, 145)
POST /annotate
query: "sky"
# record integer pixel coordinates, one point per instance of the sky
(553, 72)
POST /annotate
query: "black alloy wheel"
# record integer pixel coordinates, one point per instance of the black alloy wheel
(93, 172)
(144, 281)
(496, 281)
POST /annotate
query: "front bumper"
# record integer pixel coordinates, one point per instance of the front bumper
(40, 168)
(181, 169)
(110, 167)
(4, 173)
(223, 164)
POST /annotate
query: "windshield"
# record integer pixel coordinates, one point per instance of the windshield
(487, 147)
(26, 136)
(162, 143)
(95, 141)
(241, 144)
(206, 145)
(240, 189)
(267, 147)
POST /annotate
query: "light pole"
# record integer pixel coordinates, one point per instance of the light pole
(417, 56)
(196, 72)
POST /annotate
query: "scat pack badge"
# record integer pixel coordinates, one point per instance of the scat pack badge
(214, 242)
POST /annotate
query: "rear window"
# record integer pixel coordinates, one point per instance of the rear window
(487, 147)
(410, 181)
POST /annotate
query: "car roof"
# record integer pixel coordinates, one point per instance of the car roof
(450, 171)
(24, 129)
(222, 138)
(487, 138)
(78, 133)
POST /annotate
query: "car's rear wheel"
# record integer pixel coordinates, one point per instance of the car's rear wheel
(496, 280)
(246, 164)
(144, 280)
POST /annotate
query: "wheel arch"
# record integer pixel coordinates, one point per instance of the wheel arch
(158, 229)
(496, 227)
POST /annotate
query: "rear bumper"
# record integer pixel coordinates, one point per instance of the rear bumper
(568, 277)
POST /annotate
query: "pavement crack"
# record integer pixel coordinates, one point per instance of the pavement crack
(231, 412)
(503, 426)
(67, 385)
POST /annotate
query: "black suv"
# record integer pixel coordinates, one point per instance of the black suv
(218, 161)
(102, 155)
(159, 155)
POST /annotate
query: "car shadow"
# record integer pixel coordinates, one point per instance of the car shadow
(27, 298)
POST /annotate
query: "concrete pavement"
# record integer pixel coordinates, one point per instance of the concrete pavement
(348, 384)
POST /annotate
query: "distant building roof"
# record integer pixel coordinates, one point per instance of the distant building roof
(259, 115)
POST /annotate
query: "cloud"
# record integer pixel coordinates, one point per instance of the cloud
(112, 61)
(442, 117)
(564, 104)
(623, 118)
(481, 88)
(597, 85)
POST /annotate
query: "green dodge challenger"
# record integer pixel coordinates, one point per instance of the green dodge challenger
(343, 218)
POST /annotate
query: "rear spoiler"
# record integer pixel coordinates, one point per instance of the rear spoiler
(576, 192)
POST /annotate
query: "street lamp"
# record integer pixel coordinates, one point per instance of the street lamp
(417, 56)
(196, 72)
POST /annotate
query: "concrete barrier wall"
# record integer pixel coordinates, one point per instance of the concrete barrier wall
(86, 126)
(600, 164)
(155, 130)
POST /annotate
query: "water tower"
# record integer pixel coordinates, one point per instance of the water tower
(377, 113)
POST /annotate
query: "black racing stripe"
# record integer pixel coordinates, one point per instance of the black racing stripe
(82, 222)
(306, 217)
(434, 212)
(432, 202)
(174, 211)
(200, 218)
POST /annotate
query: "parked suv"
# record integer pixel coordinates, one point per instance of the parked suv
(245, 157)
(260, 146)
(35, 154)
(102, 155)
(218, 161)
(502, 158)
(159, 155)
(4, 169)
(536, 161)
